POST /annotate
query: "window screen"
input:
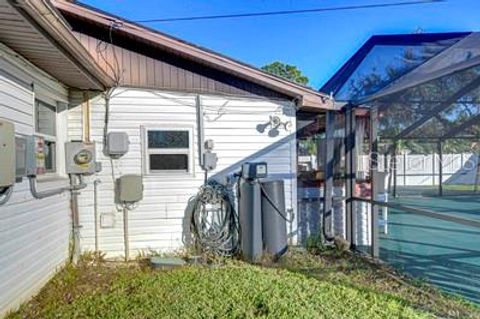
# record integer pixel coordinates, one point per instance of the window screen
(168, 139)
(45, 118)
(49, 150)
(46, 126)
(169, 162)
(168, 150)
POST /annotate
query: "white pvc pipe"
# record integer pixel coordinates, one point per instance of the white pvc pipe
(126, 239)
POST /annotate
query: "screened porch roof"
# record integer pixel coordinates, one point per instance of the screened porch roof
(426, 86)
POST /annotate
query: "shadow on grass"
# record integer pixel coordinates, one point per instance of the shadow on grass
(355, 272)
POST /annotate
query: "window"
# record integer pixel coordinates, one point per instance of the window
(46, 127)
(169, 150)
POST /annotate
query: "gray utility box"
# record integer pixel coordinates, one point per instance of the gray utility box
(129, 189)
(210, 161)
(31, 156)
(116, 144)
(80, 158)
(7, 153)
(20, 157)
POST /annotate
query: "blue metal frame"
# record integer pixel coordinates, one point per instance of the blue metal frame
(343, 74)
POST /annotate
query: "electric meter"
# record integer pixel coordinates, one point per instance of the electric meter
(80, 157)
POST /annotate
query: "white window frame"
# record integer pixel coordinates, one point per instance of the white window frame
(189, 152)
(47, 137)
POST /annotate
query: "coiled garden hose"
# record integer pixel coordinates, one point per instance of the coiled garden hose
(214, 221)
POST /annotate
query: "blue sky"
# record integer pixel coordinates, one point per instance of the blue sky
(318, 43)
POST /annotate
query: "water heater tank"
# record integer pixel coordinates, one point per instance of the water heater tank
(274, 218)
(250, 215)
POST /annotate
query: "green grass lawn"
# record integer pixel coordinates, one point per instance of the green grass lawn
(299, 286)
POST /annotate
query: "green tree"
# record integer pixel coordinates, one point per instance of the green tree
(287, 71)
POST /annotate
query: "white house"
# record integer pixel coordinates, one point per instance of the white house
(70, 72)
(162, 85)
(40, 61)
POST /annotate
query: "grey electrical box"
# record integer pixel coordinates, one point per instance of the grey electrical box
(20, 157)
(210, 161)
(254, 170)
(129, 189)
(31, 156)
(209, 145)
(7, 153)
(80, 158)
(116, 144)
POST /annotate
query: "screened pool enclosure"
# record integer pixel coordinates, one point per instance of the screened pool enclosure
(410, 165)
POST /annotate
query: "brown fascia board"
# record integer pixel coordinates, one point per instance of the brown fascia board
(57, 30)
(304, 96)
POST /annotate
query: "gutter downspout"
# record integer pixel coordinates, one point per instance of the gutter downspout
(201, 136)
(200, 129)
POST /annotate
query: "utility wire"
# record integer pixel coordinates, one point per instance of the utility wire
(287, 12)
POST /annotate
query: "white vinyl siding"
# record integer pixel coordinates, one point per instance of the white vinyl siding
(34, 234)
(159, 221)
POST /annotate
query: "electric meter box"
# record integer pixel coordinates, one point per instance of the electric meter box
(129, 189)
(7, 153)
(254, 170)
(116, 144)
(80, 157)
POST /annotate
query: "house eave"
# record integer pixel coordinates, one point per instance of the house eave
(45, 19)
(307, 96)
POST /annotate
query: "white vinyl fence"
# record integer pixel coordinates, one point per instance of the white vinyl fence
(423, 170)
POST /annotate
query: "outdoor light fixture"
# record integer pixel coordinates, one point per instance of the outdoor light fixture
(274, 123)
